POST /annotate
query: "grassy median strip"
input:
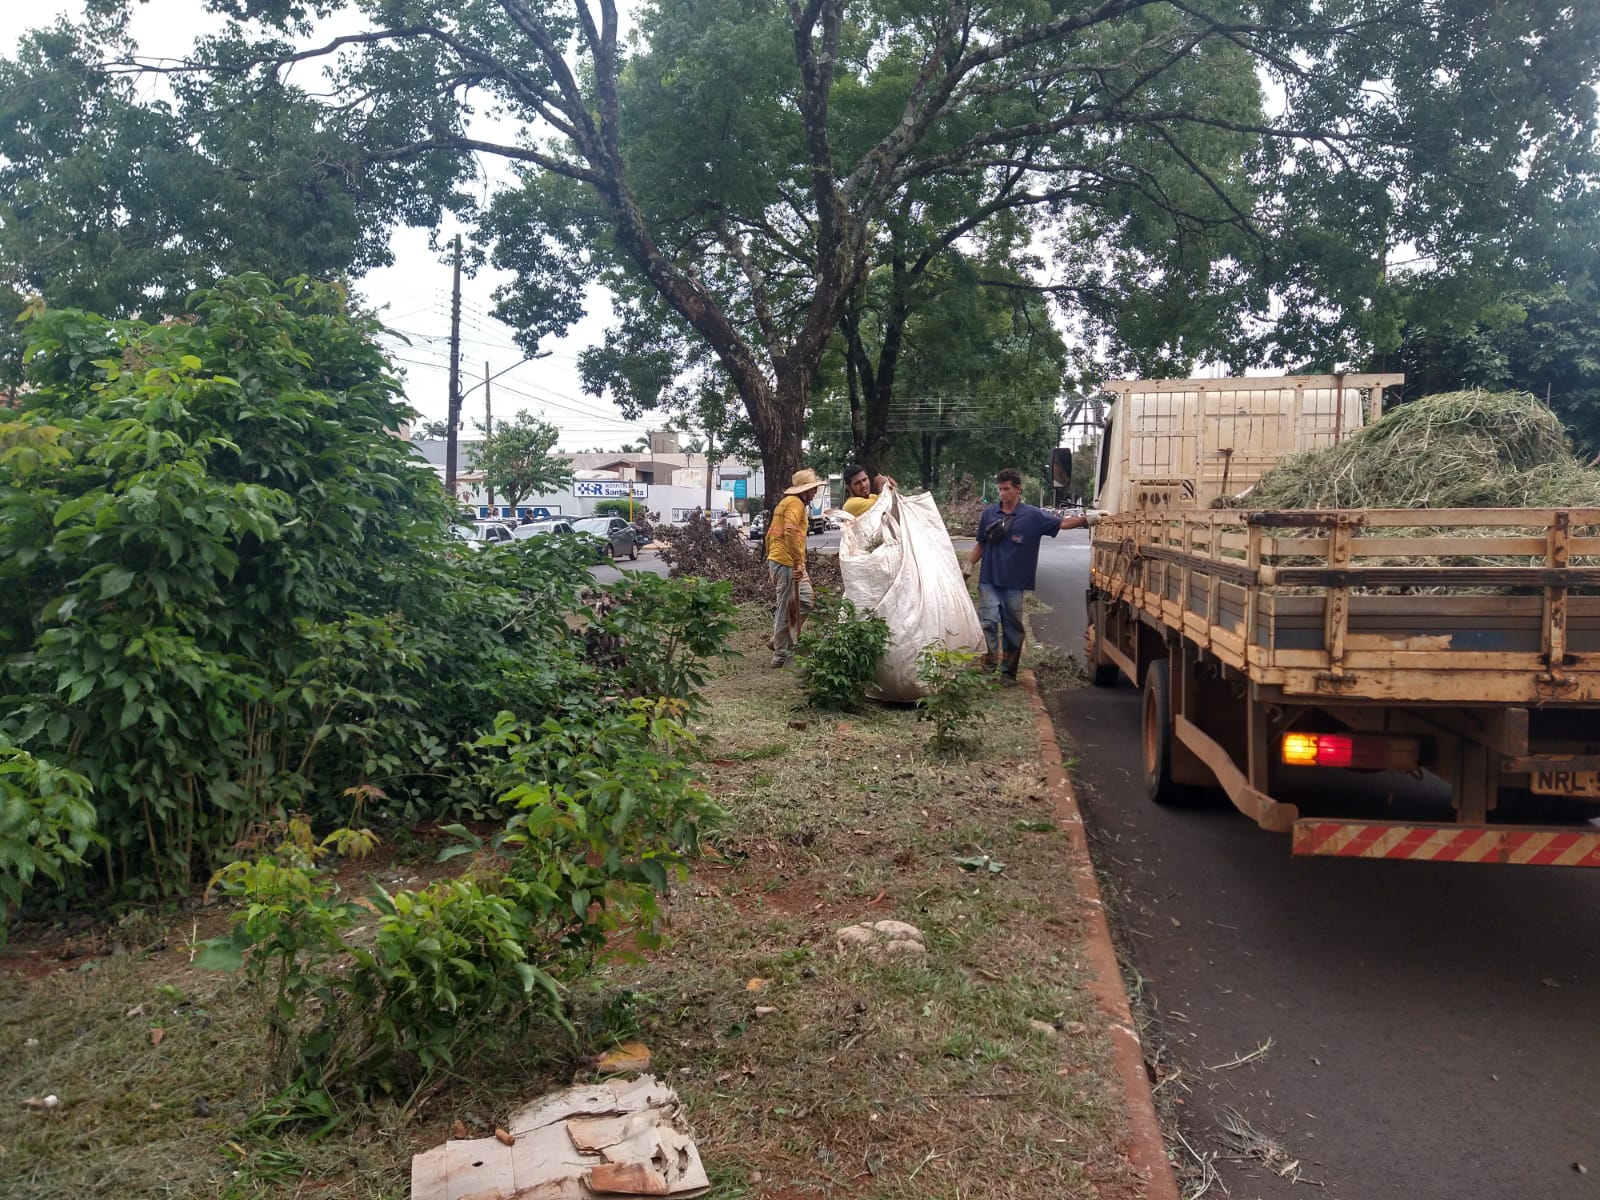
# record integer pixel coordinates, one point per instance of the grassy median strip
(978, 1067)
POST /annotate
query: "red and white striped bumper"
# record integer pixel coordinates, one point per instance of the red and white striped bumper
(1447, 843)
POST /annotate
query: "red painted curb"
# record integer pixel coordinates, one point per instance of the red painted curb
(1146, 1148)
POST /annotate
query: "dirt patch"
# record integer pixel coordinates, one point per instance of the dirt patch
(980, 1069)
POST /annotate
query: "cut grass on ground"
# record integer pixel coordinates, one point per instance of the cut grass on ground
(979, 1070)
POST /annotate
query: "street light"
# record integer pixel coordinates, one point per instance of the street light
(455, 416)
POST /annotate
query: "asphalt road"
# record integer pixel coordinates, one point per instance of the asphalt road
(1434, 1029)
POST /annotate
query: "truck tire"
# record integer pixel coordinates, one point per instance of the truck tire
(1103, 673)
(1157, 741)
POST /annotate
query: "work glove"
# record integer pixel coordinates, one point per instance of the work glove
(1092, 516)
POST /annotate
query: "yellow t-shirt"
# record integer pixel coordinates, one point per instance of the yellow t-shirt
(857, 505)
(786, 535)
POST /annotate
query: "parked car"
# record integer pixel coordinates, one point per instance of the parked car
(467, 534)
(530, 529)
(493, 531)
(818, 524)
(616, 536)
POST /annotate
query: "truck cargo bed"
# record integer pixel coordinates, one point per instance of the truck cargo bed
(1478, 606)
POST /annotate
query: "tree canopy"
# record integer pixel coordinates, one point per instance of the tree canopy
(1205, 177)
(123, 202)
(516, 461)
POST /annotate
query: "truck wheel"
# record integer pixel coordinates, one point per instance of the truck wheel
(1157, 740)
(1103, 673)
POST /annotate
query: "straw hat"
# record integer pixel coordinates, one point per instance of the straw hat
(803, 481)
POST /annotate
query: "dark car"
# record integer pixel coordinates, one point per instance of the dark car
(616, 536)
(818, 525)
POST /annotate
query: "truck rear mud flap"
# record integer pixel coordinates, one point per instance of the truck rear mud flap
(1448, 843)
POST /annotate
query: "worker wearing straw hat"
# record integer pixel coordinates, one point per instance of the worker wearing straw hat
(786, 564)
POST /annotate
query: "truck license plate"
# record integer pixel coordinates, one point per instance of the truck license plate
(1567, 783)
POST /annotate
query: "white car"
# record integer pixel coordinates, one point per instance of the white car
(481, 534)
(540, 528)
(493, 531)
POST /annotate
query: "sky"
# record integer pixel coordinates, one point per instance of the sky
(413, 296)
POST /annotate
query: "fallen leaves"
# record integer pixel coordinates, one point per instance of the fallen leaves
(980, 862)
(630, 1056)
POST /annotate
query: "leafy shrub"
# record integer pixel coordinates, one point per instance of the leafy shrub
(654, 635)
(46, 825)
(234, 595)
(603, 814)
(210, 573)
(956, 689)
(619, 508)
(600, 818)
(230, 595)
(840, 651)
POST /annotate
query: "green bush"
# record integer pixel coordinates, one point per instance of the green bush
(230, 595)
(653, 635)
(840, 651)
(46, 825)
(956, 691)
(599, 818)
(619, 508)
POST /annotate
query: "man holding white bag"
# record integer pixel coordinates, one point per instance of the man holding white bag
(1008, 547)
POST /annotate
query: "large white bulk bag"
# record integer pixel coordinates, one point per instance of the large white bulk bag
(897, 561)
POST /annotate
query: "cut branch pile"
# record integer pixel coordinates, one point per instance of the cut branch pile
(1454, 450)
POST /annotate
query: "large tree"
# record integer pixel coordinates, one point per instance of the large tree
(738, 166)
(122, 198)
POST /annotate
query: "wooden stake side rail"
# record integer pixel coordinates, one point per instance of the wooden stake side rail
(1295, 610)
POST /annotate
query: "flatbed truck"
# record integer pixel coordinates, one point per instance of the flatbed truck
(1458, 644)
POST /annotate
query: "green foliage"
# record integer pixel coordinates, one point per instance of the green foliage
(956, 689)
(625, 509)
(516, 461)
(653, 636)
(600, 816)
(46, 825)
(839, 655)
(605, 813)
(1084, 464)
(122, 203)
(230, 596)
(1546, 343)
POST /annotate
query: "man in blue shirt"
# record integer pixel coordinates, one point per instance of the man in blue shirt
(1008, 548)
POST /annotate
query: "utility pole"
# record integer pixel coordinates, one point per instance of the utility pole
(488, 421)
(450, 438)
(711, 445)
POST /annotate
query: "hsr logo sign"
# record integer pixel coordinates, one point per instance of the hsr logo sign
(606, 489)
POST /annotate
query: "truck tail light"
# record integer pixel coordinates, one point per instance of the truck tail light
(1363, 751)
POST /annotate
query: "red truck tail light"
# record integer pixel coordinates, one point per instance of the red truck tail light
(1363, 751)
